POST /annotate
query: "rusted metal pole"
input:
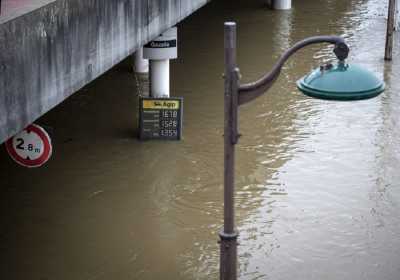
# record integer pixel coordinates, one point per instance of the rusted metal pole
(228, 236)
(397, 16)
(250, 91)
(390, 30)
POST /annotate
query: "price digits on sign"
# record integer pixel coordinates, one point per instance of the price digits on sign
(169, 114)
(169, 123)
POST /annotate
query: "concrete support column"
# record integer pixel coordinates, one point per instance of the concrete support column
(140, 64)
(159, 78)
(159, 52)
(280, 4)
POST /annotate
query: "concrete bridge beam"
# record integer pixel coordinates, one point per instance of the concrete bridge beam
(48, 53)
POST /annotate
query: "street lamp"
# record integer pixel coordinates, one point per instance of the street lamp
(334, 82)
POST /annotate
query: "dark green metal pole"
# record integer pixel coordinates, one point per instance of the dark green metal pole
(228, 236)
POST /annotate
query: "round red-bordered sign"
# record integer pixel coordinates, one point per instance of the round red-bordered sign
(31, 147)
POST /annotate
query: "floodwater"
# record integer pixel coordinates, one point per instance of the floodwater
(318, 182)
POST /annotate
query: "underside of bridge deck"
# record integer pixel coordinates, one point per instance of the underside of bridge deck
(52, 48)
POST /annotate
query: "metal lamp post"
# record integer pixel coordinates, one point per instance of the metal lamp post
(334, 82)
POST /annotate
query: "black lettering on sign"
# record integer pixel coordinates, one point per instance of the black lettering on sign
(20, 144)
(160, 118)
(161, 44)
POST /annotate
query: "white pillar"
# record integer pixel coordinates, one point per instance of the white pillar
(159, 52)
(159, 78)
(282, 4)
(141, 65)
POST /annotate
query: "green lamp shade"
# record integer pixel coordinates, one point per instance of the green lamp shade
(341, 82)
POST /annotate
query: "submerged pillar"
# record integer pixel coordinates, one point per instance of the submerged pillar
(159, 52)
(140, 65)
(159, 78)
(280, 4)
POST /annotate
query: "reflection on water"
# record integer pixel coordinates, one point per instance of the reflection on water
(317, 181)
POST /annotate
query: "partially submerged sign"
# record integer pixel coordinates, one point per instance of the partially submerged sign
(31, 147)
(160, 118)
(162, 47)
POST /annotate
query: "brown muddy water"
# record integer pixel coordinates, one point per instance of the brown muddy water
(318, 182)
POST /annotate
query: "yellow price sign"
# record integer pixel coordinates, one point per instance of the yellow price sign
(160, 118)
(161, 104)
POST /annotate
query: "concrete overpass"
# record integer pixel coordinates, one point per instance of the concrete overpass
(51, 48)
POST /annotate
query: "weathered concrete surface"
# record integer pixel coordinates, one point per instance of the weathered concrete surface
(48, 53)
(14, 8)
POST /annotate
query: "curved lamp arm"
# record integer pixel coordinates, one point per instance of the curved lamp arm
(250, 91)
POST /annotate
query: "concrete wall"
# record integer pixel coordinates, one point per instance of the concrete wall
(48, 54)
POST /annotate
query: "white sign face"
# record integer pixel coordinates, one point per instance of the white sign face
(31, 147)
(163, 47)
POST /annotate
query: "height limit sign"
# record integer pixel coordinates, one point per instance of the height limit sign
(31, 147)
(160, 118)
